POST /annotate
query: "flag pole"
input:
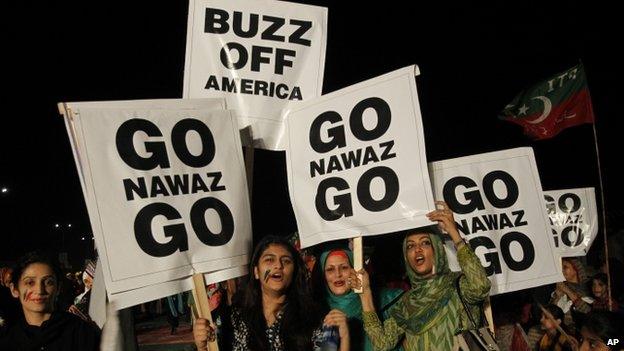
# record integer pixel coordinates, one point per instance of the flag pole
(604, 217)
(602, 202)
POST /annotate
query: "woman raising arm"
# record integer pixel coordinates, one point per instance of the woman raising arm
(430, 314)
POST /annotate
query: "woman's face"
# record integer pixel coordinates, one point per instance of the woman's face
(337, 268)
(548, 324)
(275, 269)
(598, 288)
(569, 273)
(420, 255)
(37, 288)
(591, 342)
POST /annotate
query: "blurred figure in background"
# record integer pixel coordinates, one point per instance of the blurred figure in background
(81, 302)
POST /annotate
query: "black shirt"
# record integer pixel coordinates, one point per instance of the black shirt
(63, 331)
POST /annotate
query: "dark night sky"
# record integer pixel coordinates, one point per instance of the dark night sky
(474, 59)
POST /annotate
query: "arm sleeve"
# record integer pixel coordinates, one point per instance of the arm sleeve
(581, 305)
(382, 337)
(475, 285)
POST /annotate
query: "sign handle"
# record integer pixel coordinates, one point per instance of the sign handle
(358, 258)
(487, 310)
(201, 302)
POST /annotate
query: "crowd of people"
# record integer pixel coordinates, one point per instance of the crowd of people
(294, 300)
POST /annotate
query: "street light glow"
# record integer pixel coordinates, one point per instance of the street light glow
(5, 190)
(56, 225)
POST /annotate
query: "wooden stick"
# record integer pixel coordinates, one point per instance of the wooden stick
(604, 216)
(358, 258)
(487, 309)
(203, 307)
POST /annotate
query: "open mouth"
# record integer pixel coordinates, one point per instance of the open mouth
(420, 260)
(277, 276)
(339, 283)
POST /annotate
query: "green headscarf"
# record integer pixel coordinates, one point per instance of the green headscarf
(418, 309)
(348, 303)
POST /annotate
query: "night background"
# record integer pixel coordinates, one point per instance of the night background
(473, 60)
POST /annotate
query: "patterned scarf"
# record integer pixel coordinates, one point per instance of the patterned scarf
(348, 303)
(418, 309)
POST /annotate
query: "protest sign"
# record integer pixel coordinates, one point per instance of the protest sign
(153, 292)
(573, 219)
(498, 206)
(261, 56)
(356, 161)
(165, 189)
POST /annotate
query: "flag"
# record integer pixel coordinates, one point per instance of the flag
(550, 106)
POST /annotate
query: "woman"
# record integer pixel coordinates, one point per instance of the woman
(571, 295)
(551, 323)
(430, 314)
(42, 327)
(336, 266)
(275, 311)
(601, 295)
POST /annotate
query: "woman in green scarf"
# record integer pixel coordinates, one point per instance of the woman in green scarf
(430, 314)
(336, 266)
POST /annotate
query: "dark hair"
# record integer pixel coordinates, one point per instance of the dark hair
(603, 324)
(600, 277)
(34, 257)
(301, 314)
(555, 310)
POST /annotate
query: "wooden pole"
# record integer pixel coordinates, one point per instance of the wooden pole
(487, 310)
(203, 307)
(358, 258)
(604, 220)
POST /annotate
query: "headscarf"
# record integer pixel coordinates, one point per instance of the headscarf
(348, 303)
(420, 307)
(581, 274)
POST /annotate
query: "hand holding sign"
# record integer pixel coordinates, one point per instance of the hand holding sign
(444, 216)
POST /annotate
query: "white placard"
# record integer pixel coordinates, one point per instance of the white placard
(498, 205)
(157, 291)
(573, 219)
(262, 56)
(356, 161)
(165, 189)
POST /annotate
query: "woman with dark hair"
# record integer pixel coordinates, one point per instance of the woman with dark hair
(430, 314)
(551, 322)
(599, 288)
(35, 282)
(275, 310)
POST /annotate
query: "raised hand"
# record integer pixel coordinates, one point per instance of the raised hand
(444, 216)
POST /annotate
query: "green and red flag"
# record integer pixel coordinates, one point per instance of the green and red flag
(550, 106)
